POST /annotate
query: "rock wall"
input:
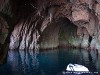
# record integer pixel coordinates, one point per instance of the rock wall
(24, 36)
(50, 37)
(84, 15)
(3, 30)
(33, 17)
(68, 34)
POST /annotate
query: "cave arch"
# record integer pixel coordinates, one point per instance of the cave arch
(40, 17)
(59, 33)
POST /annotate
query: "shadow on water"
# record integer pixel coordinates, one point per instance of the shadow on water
(51, 62)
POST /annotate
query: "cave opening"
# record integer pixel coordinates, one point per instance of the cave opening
(59, 33)
(90, 39)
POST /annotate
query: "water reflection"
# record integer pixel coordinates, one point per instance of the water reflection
(92, 62)
(49, 62)
(23, 62)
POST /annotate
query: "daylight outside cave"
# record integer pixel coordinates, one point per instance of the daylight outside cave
(45, 37)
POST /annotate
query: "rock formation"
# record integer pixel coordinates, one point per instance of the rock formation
(31, 21)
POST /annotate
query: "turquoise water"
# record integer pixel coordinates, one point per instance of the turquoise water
(49, 62)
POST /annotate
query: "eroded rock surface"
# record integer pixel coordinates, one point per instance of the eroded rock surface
(35, 16)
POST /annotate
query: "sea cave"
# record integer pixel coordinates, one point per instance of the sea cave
(41, 37)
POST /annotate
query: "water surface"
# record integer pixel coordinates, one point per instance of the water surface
(49, 62)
